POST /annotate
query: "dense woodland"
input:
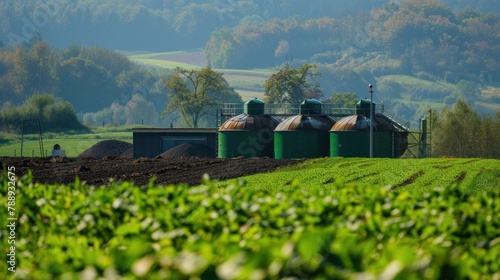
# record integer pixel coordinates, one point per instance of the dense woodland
(162, 25)
(170, 24)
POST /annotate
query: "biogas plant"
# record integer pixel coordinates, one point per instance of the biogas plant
(313, 132)
(310, 130)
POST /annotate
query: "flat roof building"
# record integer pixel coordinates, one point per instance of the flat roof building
(151, 142)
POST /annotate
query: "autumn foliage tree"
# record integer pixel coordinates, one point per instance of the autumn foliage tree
(36, 70)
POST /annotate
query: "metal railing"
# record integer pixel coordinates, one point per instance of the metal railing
(234, 109)
(229, 110)
(402, 122)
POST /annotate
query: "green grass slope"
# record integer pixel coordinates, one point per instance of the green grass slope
(248, 83)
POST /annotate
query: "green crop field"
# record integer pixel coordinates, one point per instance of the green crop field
(73, 143)
(323, 219)
(416, 175)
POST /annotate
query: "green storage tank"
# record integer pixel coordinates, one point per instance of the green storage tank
(363, 107)
(254, 107)
(304, 135)
(350, 137)
(249, 134)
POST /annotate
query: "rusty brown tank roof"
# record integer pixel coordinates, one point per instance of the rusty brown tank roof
(306, 122)
(250, 122)
(361, 122)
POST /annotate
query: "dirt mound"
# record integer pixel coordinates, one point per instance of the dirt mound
(106, 148)
(189, 150)
(128, 153)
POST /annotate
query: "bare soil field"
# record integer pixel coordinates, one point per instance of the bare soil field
(99, 171)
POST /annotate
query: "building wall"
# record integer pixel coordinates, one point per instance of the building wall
(148, 142)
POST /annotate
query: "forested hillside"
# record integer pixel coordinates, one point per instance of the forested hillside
(103, 84)
(421, 38)
(420, 52)
(155, 25)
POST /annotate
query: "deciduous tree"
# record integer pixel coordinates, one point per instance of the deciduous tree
(196, 93)
(462, 132)
(343, 99)
(290, 85)
(36, 70)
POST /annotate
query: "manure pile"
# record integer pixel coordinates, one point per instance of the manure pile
(109, 148)
(189, 150)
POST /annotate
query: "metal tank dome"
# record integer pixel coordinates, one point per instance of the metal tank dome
(350, 136)
(304, 135)
(249, 134)
(362, 123)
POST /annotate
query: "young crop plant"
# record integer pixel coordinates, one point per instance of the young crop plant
(236, 231)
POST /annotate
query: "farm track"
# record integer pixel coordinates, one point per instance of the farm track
(99, 171)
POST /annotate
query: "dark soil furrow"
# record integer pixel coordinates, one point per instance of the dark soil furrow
(166, 170)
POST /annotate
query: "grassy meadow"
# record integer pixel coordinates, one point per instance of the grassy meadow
(73, 143)
(248, 83)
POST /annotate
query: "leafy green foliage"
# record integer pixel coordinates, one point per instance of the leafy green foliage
(54, 115)
(36, 70)
(90, 78)
(343, 99)
(416, 175)
(239, 232)
(196, 93)
(462, 132)
(290, 85)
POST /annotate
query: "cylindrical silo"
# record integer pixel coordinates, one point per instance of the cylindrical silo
(304, 135)
(249, 134)
(350, 136)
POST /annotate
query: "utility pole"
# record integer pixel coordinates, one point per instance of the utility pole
(32, 122)
(430, 132)
(371, 120)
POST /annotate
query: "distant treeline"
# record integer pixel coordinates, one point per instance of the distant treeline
(459, 131)
(54, 115)
(91, 79)
(164, 25)
(413, 37)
